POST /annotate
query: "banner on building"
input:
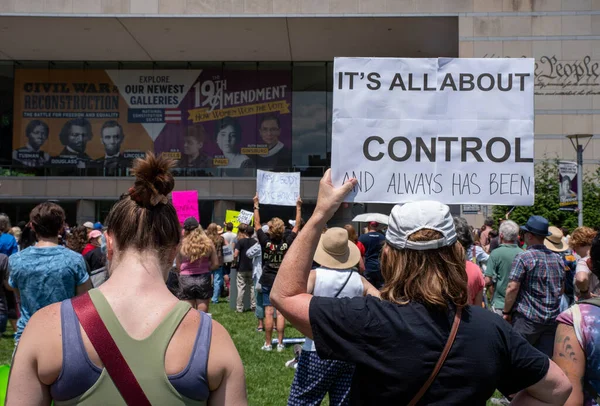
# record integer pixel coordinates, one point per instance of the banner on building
(458, 131)
(282, 189)
(105, 118)
(186, 204)
(567, 173)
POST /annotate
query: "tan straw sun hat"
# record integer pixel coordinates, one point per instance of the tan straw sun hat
(554, 242)
(335, 251)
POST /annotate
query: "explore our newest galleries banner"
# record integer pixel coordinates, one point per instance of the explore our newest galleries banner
(105, 118)
(458, 131)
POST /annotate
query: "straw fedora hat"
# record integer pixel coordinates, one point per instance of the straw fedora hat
(554, 242)
(335, 251)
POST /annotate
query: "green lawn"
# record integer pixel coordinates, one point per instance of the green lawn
(7, 346)
(267, 378)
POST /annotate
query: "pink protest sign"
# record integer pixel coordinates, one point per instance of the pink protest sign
(186, 204)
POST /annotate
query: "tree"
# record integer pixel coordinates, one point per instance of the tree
(547, 200)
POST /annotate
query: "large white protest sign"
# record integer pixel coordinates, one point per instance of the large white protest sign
(281, 188)
(458, 131)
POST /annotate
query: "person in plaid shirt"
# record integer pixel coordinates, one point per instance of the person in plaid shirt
(536, 285)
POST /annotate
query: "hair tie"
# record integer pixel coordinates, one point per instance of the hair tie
(158, 198)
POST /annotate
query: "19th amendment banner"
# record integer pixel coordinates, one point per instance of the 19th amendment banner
(455, 130)
(204, 119)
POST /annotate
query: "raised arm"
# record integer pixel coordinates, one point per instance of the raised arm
(298, 215)
(289, 293)
(257, 223)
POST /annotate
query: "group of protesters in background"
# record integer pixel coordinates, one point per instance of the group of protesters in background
(428, 310)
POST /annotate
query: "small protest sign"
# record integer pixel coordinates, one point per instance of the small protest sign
(186, 204)
(246, 217)
(231, 216)
(280, 188)
(454, 130)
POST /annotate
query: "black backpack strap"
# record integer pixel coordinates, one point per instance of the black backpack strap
(345, 283)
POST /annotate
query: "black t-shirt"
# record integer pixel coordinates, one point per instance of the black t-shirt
(3, 277)
(273, 253)
(95, 259)
(242, 246)
(373, 243)
(395, 349)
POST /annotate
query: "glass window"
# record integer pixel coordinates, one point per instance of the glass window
(6, 111)
(309, 112)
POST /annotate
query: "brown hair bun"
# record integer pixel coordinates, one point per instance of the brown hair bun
(154, 180)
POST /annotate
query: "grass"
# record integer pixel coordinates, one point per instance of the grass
(7, 345)
(268, 380)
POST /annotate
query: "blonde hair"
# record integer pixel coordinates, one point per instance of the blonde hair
(196, 244)
(276, 229)
(434, 278)
(15, 232)
(212, 232)
(581, 237)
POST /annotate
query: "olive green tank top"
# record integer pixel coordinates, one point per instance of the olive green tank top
(146, 359)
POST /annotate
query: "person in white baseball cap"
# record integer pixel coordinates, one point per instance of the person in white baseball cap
(420, 343)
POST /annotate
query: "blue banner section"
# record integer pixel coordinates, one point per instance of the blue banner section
(145, 116)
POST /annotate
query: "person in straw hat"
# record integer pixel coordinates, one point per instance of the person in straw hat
(419, 342)
(556, 242)
(336, 276)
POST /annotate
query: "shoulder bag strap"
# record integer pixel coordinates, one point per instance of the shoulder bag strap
(441, 360)
(595, 301)
(109, 353)
(345, 283)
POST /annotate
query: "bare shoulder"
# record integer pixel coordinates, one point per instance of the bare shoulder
(46, 318)
(41, 341)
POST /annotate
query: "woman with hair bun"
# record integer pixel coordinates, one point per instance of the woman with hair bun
(130, 341)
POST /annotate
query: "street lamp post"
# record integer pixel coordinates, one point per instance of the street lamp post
(577, 142)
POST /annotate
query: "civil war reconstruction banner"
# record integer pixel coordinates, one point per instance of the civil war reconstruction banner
(204, 119)
(458, 131)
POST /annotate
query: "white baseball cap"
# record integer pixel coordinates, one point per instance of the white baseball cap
(409, 218)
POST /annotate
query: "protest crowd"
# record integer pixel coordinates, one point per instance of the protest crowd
(426, 309)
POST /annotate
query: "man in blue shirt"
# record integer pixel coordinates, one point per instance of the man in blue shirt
(47, 272)
(373, 242)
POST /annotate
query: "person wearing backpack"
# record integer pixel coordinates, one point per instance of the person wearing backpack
(577, 340)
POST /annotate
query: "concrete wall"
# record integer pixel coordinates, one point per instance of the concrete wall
(68, 188)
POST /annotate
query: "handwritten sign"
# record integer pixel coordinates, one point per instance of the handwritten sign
(186, 205)
(454, 130)
(246, 217)
(280, 188)
(231, 216)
